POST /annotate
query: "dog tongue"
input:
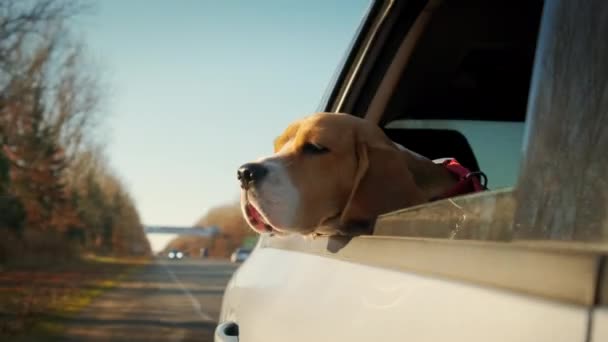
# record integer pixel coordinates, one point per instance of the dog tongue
(252, 211)
(257, 219)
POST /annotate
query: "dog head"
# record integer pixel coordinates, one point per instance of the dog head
(329, 174)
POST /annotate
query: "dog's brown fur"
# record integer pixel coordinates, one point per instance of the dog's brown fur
(363, 175)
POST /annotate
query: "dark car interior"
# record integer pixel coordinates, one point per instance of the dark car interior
(473, 62)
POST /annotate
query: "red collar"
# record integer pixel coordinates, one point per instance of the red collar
(468, 182)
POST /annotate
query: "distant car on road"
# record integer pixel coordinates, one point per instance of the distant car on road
(175, 254)
(240, 254)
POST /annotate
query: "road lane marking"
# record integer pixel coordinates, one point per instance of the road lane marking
(195, 303)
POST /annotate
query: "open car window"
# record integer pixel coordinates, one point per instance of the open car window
(495, 146)
(463, 94)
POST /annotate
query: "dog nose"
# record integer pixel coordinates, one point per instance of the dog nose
(250, 173)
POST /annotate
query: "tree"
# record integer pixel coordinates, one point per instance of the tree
(50, 165)
(105, 207)
(12, 213)
(4, 171)
(48, 101)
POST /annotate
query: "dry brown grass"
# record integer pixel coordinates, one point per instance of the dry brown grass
(44, 279)
(34, 300)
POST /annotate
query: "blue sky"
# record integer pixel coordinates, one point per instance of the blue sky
(197, 88)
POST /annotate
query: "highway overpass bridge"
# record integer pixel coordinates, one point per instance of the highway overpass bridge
(197, 231)
(160, 236)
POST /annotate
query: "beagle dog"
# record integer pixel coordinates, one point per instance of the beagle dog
(333, 174)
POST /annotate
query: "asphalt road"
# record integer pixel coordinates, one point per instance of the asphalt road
(175, 301)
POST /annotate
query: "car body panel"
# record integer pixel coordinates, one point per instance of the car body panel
(308, 297)
(599, 325)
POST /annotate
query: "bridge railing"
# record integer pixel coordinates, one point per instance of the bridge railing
(199, 231)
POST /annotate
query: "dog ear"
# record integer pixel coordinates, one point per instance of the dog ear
(383, 183)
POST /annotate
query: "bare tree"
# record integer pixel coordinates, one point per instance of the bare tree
(43, 70)
(24, 24)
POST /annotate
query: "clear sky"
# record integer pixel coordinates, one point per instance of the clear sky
(199, 87)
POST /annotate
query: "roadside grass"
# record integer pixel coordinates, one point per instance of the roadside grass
(37, 299)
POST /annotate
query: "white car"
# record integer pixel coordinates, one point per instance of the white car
(240, 255)
(518, 89)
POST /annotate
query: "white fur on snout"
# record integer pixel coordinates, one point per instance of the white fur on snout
(276, 197)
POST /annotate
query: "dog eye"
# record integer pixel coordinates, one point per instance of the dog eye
(310, 148)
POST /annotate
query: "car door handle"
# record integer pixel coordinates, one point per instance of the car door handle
(227, 332)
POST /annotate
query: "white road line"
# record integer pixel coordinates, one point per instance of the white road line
(195, 304)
